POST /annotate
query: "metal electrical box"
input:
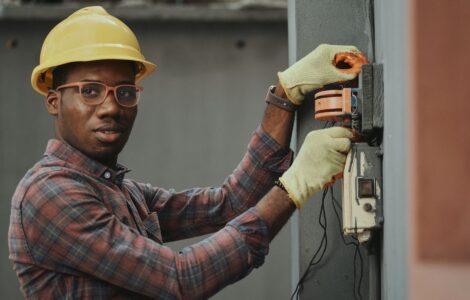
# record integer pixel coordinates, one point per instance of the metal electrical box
(362, 184)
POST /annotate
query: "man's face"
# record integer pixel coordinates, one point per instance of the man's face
(99, 131)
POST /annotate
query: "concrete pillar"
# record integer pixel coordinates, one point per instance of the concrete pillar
(335, 22)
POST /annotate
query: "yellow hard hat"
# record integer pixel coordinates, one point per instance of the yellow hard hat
(86, 35)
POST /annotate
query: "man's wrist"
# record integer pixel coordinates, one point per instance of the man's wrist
(276, 96)
(280, 92)
(285, 196)
(279, 184)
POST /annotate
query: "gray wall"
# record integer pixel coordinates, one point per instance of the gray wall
(194, 122)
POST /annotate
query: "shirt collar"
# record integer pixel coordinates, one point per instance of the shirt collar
(83, 163)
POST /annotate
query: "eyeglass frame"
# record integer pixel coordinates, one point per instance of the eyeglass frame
(108, 88)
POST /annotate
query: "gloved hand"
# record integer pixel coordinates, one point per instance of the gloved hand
(322, 156)
(318, 68)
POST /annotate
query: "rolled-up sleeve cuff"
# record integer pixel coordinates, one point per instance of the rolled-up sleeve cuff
(267, 152)
(255, 233)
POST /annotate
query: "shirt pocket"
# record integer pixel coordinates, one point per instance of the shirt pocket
(152, 227)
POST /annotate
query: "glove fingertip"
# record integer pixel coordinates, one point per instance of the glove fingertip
(340, 132)
(280, 76)
(344, 75)
(342, 145)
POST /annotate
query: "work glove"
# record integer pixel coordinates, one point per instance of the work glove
(322, 156)
(319, 68)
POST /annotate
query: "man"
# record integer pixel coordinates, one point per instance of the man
(80, 230)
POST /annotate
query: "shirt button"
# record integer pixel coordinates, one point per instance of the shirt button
(107, 174)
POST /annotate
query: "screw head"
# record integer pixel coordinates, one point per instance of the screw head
(367, 207)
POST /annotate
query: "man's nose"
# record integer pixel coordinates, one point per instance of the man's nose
(109, 107)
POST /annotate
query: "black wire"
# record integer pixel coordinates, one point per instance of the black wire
(356, 244)
(329, 124)
(336, 203)
(324, 243)
(358, 251)
(322, 247)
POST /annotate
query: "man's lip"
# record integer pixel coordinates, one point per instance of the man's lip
(109, 134)
(113, 128)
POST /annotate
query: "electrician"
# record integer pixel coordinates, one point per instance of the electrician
(79, 229)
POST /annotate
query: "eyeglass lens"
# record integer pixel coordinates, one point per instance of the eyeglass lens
(94, 93)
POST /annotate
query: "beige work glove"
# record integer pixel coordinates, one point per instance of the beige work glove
(318, 68)
(322, 156)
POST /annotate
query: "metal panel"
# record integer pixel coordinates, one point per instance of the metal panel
(195, 119)
(334, 22)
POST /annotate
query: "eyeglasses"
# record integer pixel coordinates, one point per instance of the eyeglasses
(94, 93)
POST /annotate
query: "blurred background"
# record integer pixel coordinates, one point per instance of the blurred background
(264, 3)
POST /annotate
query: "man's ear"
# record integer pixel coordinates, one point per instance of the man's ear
(52, 102)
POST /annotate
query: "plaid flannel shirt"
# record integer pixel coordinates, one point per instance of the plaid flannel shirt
(80, 230)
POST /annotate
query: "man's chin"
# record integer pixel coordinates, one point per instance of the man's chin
(106, 154)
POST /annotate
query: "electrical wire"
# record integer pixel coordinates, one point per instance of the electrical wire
(321, 248)
(357, 252)
(324, 241)
(315, 260)
(329, 124)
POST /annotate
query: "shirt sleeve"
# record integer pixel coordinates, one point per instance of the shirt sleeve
(199, 211)
(68, 229)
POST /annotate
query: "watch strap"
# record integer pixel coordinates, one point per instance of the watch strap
(282, 103)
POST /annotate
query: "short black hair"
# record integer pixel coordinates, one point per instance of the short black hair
(60, 74)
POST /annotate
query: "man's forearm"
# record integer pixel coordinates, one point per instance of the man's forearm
(278, 122)
(275, 208)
